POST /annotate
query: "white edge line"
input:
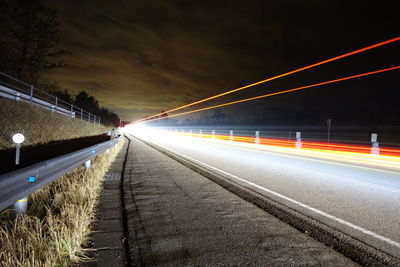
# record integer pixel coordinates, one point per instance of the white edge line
(349, 224)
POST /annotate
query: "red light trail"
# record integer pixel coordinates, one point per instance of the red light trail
(280, 92)
(276, 77)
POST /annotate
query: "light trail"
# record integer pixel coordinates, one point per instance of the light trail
(387, 157)
(378, 157)
(276, 77)
(277, 93)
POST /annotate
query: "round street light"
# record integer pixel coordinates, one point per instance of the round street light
(18, 138)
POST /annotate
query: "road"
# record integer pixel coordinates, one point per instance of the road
(177, 217)
(360, 201)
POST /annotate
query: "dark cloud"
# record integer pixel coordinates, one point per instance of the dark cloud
(141, 57)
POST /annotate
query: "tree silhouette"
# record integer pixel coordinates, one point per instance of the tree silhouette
(87, 102)
(29, 40)
(90, 103)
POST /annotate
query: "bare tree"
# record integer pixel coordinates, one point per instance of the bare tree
(29, 42)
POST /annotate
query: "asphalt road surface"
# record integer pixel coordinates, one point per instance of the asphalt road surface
(177, 217)
(360, 201)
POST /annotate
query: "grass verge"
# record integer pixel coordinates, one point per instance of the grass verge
(59, 219)
(40, 125)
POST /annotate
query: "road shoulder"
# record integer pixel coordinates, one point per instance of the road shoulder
(108, 235)
(177, 217)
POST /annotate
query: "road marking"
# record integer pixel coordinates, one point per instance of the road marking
(339, 220)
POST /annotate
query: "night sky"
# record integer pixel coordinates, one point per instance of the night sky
(141, 57)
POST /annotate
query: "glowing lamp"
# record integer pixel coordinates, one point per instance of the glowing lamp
(18, 138)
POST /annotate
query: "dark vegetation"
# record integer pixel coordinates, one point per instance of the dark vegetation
(29, 46)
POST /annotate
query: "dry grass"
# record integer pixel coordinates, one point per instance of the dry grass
(40, 125)
(58, 221)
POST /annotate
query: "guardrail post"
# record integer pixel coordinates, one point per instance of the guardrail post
(17, 98)
(20, 207)
(230, 135)
(89, 117)
(257, 139)
(31, 94)
(56, 103)
(99, 120)
(81, 113)
(298, 140)
(375, 144)
(213, 133)
(72, 110)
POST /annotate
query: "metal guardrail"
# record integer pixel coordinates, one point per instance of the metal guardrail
(17, 90)
(18, 184)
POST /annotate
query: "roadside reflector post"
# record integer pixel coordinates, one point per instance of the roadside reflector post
(200, 133)
(374, 144)
(257, 139)
(88, 163)
(298, 140)
(107, 150)
(213, 133)
(230, 135)
(190, 132)
(328, 123)
(20, 207)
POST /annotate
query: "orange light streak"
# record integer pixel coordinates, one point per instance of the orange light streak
(278, 76)
(280, 92)
(387, 157)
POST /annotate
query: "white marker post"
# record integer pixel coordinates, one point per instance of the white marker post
(213, 133)
(328, 123)
(374, 144)
(200, 133)
(298, 140)
(257, 139)
(230, 135)
(88, 164)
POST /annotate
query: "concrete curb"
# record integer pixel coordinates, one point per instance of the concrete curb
(108, 234)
